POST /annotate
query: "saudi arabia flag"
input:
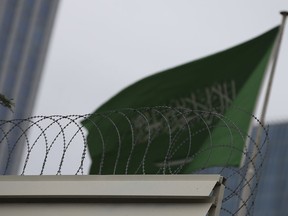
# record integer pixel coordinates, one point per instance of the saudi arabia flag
(191, 120)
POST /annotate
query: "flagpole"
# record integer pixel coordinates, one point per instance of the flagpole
(277, 48)
(246, 192)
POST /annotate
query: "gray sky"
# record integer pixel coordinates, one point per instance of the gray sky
(98, 47)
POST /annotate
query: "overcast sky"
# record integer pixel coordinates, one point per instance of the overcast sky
(98, 47)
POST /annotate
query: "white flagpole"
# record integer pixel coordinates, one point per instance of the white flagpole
(246, 191)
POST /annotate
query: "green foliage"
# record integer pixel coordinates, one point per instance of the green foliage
(4, 101)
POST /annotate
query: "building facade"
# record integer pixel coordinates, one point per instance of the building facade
(25, 30)
(272, 193)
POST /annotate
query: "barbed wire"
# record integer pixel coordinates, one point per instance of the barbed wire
(152, 140)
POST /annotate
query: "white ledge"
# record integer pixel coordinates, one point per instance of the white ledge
(109, 185)
(129, 195)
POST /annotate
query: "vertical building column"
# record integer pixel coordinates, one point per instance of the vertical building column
(25, 29)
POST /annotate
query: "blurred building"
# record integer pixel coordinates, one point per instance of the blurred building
(25, 30)
(272, 189)
(272, 192)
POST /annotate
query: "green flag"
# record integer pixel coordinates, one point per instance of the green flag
(123, 140)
